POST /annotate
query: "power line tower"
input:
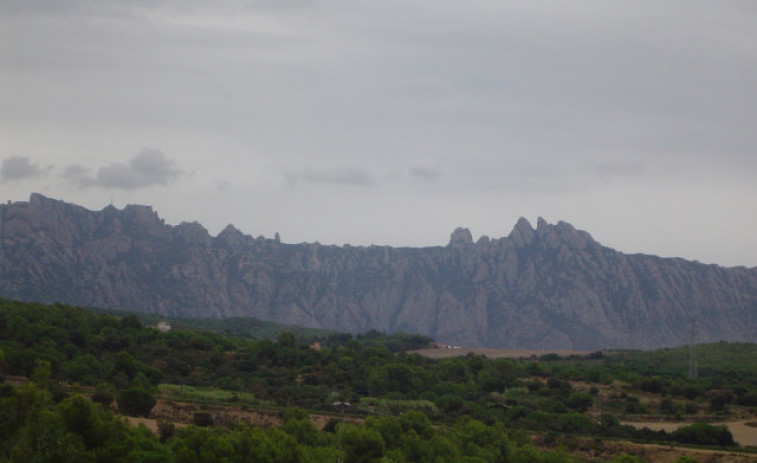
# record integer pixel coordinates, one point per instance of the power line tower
(692, 348)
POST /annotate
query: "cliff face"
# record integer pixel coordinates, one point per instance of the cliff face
(548, 287)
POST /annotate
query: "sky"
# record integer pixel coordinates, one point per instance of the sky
(393, 122)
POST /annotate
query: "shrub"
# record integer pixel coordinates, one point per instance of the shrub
(580, 401)
(575, 423)
(203, 419)
(748, 399)
(103, 398)
(165, 430)
(331, 425)
(653, 385)
(703, 434)
(135, 401)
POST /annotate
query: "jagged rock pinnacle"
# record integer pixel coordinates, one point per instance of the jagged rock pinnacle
(461, 236)
(522, 233)
(549, 287)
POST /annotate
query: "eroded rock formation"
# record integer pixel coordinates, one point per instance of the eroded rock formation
(548, 287)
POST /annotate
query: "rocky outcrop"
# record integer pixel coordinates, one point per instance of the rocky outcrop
(548, 287)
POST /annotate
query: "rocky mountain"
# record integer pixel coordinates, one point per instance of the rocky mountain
(546, 287)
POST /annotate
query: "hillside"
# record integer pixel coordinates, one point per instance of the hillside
(546, 287)
(212, 397)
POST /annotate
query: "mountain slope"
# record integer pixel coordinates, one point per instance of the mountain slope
(548, 287)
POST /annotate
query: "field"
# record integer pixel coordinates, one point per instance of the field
(743, 433)
(445, 352)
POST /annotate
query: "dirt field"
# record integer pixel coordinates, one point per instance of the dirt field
(151, 423)
(743, 434)
(443, 352)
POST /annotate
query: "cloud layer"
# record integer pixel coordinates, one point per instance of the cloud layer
(148, 168)
(628, 119)
(21, 167)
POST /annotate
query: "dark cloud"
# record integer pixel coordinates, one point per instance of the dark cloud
(20, 167)
(345, 176)
(148, 168)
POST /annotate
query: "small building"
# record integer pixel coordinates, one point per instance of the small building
(163, 327)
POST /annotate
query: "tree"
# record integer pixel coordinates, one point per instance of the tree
(165, 430)
(287, 339)
(135, 401)
(131, 322)
(41, 373)
(361, 445)
(81, 418)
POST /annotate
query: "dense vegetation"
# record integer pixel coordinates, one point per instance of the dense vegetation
(401, 407)
(251, 328)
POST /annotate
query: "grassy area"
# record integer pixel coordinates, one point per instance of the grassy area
(205, 394)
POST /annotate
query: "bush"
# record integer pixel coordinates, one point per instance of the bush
(652, 385)
(103, 398)
(575, 423)
(294, 414)
(749, 399)
(135, 401)
(703, 434)
(165, 430)
(580, 401)
(203, 419)
(331, 425)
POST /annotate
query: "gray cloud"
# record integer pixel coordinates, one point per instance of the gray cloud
(425, 172)
(339, 176)
(605, 169)
(523, 108)
(148, 168)
(78, 175)
(20, 167)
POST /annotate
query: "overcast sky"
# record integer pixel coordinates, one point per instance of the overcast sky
(393, 122)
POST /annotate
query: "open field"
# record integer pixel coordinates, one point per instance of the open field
(444, 352)
(206, 394)
(742, 433)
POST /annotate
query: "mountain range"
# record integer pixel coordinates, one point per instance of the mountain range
(548, 287)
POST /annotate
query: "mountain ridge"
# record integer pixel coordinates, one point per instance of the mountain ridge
(551, 286)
